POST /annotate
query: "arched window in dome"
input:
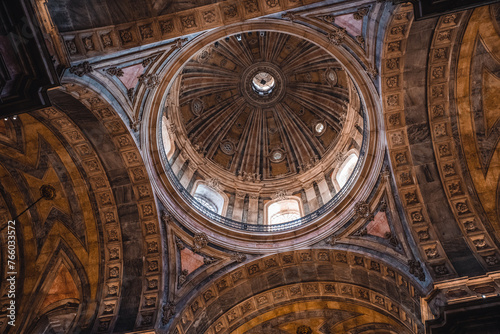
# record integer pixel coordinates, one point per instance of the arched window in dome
(345, 170)
(167, 142)
(283, 211)
(210, 198)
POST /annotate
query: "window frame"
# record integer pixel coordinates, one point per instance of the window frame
(225, 198)
(337, 170)
(286, 198)
(165, 135)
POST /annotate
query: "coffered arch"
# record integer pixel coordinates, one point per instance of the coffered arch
(279, 284)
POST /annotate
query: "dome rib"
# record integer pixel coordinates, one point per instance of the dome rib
(252, 134)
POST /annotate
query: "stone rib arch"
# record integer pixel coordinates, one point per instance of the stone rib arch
(255, 319)
(352, 274)
(131, 230)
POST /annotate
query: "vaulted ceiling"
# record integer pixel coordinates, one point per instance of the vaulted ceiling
(120, 248)
(71, 15)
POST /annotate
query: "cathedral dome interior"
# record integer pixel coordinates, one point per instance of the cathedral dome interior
(253, 166)
(257, 117)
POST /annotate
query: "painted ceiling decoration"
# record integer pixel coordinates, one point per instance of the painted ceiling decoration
(256, 166)
(219, 102)
(253, 114)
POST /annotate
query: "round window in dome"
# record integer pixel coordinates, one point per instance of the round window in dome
(319, 128)
(263, 83)
(277, 156)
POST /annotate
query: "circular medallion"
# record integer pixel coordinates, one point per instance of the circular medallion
(227, 147)
(197, 107)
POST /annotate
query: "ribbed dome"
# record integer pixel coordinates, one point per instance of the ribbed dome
(261, 128)
(263, 105)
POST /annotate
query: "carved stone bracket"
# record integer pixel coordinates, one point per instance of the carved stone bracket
(383, 206)
(168, 312)
(238, 257)
(331, 240)
(372, 71)
(290, 16)
(360, 13)
(214, 183)
(148, 61)
(280, 195)
(183, 276)
(179, 244)
(149, 80)
(81, 69)
(361, 232)
(166, 217)
(114, 71)
(362, 210)
(416, 269)
(329, 18)
(134, 124)
(178, 43)
(200, 241)
(209, 260)
(130, 93)
(392, 239)
(338, 35)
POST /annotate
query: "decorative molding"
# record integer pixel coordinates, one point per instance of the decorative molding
(200, 240)
(399, 136)
(337, 36)
(238, 257)
(146, 205)
(81, 69)
(114, 71)
(112, 238)
(445, 143)
(460, 290)
(165, 27)
(276, 262)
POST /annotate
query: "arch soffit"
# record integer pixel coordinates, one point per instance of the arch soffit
(451, 207)
(141, 197)
(302, 273)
